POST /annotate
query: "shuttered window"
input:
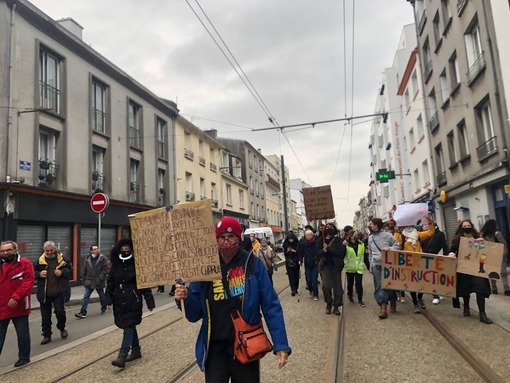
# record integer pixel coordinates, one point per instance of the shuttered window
(62, 236)
(30, 240)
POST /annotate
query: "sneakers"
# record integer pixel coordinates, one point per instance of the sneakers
(416, 310)
(82, 314)
(46, 340)
(361, 304)
(421, 304)
(315, 298)
(63, 334)
(435, 301)
(21, 362)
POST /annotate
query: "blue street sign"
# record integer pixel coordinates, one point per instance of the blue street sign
(25, 165)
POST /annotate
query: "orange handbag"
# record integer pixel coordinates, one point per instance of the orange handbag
(251, 342)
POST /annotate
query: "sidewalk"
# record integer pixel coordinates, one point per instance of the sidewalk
(76, 297)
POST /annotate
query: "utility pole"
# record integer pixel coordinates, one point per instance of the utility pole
(284, 186)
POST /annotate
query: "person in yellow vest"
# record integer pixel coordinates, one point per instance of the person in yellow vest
(353, 264)
(410, 240)
(255, 244)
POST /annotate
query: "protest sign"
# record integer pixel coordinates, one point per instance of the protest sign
(175, 243)
(480, 258)
(318, 203)
(410, 214)
(420, 272)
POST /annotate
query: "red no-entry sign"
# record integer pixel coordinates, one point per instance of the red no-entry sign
(99, 202)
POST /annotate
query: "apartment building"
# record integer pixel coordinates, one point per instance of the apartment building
(273, 197)
(73, 123)
(198, 162)
(296, 186)
(467, 108)
(276, 161)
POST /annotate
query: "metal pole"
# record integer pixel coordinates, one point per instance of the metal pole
(284, 186)
(99, 231)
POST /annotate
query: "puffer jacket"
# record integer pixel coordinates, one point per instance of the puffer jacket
(95, 276)
(16, 282)
(259, 295)
(63, 281)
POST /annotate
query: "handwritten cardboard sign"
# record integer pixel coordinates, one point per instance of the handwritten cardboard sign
(480, 258)
(318, 203)
(179, 243)
(420, 272)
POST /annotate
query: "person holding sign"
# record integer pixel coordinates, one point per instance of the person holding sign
(245, 288)
(490, 232)
(378, 241)
(127, 300)
(467, 284)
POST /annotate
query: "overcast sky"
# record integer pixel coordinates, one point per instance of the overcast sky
(293, 54)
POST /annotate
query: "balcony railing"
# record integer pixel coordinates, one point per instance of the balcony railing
(134, 137)
(477, 66)
(48, 172)
(190, 196)
(201, 161)
(98, 180)
(50, 97)
(214, 203)
(134, 195)
(433, 122)
(189, 154)
(98, 120)
(161, 150)
(487, 149)
(441, 179)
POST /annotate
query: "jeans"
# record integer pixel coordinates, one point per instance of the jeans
(129, 339)
(382, 296)
(332, 282)
(58, 304)
(351, 279)
(22, 332)
(86, 299)
(311, 276)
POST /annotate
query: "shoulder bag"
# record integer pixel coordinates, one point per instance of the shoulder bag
(251, 342)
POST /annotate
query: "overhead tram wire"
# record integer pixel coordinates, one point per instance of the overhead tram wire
(253, 92)
(352, 98)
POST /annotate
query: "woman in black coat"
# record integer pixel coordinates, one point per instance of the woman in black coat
(127, 300)
(292, 261)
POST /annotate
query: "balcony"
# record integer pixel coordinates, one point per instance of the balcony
(134, 195)
(48, 171)
(189, 154)
(441, 179)
(201, 161)
(214, 203)
(98, 180)
(487, 149)
(476, 68)
(190, 196)
(433, 123)
(213, 167)
(49, 97)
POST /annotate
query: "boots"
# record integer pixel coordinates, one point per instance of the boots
(121, 359)
(383, 314)
(484, 319)
(467, 312)
(393, 307)
(135, 354)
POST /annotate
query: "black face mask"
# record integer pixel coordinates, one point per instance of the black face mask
(330, 232)
(467, 230)
(9, 258)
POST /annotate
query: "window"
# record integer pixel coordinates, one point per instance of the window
(213, 193)
(431, 103)
(425, 173)
(445, 89)
(161, 188)
(412, 140)
(256, 189)
(188, 179)
(236, 168)
(161, 135)
(463, 140)
(241, 199)
(49, 80)
(476, 60)
(441, 173)
(134, 124)
(485, 121)
(427, 61)
(420, 129)
(454, 71)
(47, 145)
(252, 210)
(416, 179)
(261, 190)
(452, 151)
(134, 195)
(98, 179)
(414, 82)
(437, 31)
(251, 185)
(98, 106)
(447, 15)
(229, 194)
(202, 189)
(407, 100)
(250, 160)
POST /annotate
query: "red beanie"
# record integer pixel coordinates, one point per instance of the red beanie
(229, 225)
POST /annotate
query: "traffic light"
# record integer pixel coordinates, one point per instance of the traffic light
(384, 175)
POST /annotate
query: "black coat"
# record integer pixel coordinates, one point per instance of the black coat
(63, 281)
(121, 291)
(308, 252)
(290, 250)
(334, 257)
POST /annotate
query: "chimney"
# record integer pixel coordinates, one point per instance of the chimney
(72, 26)
(212, 133)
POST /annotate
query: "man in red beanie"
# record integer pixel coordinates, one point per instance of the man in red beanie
(244, 286)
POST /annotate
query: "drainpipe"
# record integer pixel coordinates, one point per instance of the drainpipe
(174, 160)
(9, 96)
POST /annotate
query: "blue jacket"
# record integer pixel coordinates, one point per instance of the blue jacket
(258, 294)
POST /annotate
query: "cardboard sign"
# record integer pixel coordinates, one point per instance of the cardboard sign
(318, 203)
(480, 258)
(420, 272)
(409, 214)
(179, 243)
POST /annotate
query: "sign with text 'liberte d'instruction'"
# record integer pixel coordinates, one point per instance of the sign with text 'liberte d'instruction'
(175, 243)
(419, 272)
(318, 203)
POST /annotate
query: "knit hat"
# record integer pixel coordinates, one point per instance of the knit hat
(229, 225)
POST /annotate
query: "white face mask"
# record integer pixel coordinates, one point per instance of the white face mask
(125, 255)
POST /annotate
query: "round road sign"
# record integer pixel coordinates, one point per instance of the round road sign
(99, 202)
